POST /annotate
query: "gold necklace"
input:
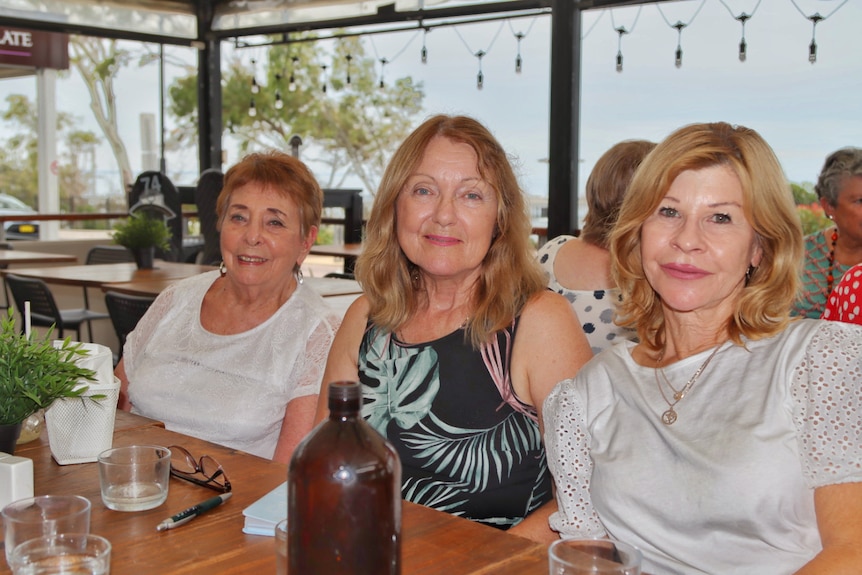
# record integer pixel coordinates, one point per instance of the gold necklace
(669, 416)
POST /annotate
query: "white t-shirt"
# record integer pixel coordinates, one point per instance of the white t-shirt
(228, 389)
(729, 487)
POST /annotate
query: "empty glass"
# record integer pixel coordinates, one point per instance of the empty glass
(593, 557)
(45, 515)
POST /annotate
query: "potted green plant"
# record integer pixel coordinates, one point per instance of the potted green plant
(142, 234)
(33, 374)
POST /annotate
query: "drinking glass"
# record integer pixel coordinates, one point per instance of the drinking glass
(78, 553)
(593, 557)
(281, 548)
(45, 515)
(134, 478)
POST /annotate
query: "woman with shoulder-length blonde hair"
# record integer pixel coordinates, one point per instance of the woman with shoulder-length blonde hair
(456, 340)
(727, 423)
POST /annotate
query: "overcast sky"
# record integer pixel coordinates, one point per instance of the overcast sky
(804, 110)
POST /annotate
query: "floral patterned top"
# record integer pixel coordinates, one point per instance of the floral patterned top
(467, 445)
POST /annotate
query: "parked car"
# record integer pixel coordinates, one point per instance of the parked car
(23, 230)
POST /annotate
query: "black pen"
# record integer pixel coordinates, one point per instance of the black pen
(187, 515)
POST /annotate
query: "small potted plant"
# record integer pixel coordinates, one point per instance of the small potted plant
(142, 234)
(33, 374)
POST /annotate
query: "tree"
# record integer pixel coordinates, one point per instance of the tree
(98, 62)
(351, 128)
(19, 154)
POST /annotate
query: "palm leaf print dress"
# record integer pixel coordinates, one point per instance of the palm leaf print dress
(467, 445)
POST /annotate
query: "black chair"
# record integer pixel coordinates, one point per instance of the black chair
(109, 255)
(206, 193)
(4, 246)
(125, 311)
(43, 307)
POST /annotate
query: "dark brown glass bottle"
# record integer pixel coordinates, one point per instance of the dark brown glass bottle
(344, 495)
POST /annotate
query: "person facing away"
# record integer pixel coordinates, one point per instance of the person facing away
(236, 355)
(727, 440)
(829, 253)
(579, 268)
(456, 341)
(845, 301)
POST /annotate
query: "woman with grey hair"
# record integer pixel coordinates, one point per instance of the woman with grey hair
(831, 252)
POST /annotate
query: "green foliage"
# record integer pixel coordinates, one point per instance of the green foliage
(813, 218)
(143, 231)
(802, 196)
(33, 373)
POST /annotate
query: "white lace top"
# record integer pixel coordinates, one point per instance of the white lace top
(228, 389)
(728, 488)
(595, 308)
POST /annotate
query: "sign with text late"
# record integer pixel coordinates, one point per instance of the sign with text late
(33, 49)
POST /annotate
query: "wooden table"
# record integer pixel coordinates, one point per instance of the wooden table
(11, 257)
(347, 251)
(95, 276)
(434, 543)
(327, 287)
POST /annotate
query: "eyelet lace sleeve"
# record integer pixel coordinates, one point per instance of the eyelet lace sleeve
(827, 394)
(566, 443)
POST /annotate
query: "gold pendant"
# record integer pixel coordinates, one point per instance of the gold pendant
(668, 417)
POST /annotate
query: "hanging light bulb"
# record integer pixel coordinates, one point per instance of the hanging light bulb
(252, 111)
(480, 77)
(812, 48)
(279, 103)
(424, 52)
(743, 18)
(518, 59)
(679, 26)
(348, 58)
(254, 87)
(620, 31)
(324, 66)
(291, 83)
(383, 62)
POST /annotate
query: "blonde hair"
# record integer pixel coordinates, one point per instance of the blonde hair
(763, 309)
(510, 275)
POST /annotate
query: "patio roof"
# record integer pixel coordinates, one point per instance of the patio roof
(204, 23)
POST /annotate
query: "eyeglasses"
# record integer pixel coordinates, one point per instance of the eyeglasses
(185, 466)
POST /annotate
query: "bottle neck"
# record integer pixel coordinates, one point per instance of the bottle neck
(345, 400)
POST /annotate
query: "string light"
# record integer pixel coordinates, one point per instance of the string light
(291, 84)
(279, 103)
(679, 26)
(519, 61)
(324, 67)
(423, 53)
(348, 58)
(621, 31)
(252, 111)
(254, 87)
(479, 54)
(815, 19)
(383, 62)
(742, 18)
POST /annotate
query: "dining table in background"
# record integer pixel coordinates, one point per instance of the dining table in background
(433, 542)
(348, 252)
(12, 257)
(95, 276)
